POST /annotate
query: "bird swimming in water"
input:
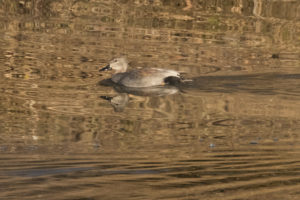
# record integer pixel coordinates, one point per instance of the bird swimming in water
(139, 78)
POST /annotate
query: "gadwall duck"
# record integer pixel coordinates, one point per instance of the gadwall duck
(144, 77)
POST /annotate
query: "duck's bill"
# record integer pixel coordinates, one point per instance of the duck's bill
(106, 68)
(106, 98)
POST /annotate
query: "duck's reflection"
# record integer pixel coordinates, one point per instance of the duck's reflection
(148, 91)
(120, 101)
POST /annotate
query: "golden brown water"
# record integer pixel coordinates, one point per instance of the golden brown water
(231, 133)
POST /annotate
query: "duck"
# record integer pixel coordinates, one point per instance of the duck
(142, 77)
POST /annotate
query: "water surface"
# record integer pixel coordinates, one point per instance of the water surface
(230, 133)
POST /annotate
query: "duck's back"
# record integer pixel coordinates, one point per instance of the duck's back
(145, 77)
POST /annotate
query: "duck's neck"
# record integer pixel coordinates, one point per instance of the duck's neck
(123, 68)
(121, 71)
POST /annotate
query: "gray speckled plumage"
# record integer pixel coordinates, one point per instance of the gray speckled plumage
(145, 77)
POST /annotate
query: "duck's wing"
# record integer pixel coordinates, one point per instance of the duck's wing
(146, 77)
(165, 72)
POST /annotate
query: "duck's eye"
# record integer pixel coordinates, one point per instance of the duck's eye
(115, 60)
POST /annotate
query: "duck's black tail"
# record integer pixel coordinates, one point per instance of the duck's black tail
(173, 80)
(179, 82)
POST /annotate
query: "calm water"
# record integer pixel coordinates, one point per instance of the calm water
(232, 132)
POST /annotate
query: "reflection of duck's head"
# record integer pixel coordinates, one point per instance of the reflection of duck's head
(140, 78)
(118, 102)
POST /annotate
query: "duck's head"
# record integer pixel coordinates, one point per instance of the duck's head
(117, 64)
